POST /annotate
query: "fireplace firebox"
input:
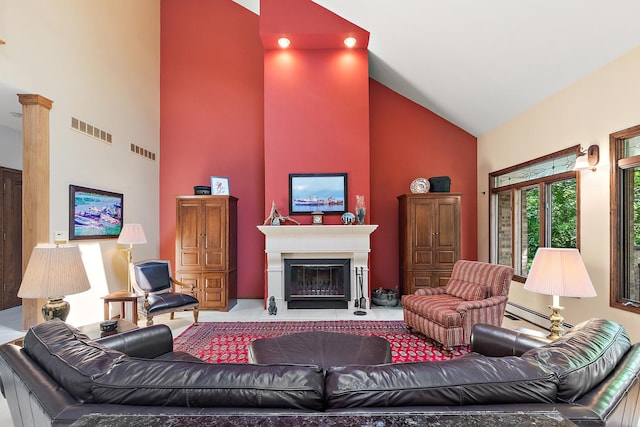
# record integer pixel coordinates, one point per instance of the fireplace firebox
(317, 283)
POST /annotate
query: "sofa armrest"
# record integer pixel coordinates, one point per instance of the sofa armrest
(146, 343)
(495, 341)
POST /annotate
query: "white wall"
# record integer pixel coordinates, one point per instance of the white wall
(10, 148)
(584, 113)
(98, 61)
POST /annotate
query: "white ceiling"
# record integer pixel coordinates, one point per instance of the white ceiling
(479, 63)
(476, 63)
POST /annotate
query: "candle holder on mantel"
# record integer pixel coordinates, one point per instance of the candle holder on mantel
(361, 209)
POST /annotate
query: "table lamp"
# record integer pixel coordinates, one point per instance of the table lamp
(53, 273)
(559, 272)
(131, 234)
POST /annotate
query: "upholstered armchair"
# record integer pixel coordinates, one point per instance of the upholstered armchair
(153, 282)
(476, 293)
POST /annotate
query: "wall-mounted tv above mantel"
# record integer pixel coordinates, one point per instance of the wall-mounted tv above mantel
(317, 192)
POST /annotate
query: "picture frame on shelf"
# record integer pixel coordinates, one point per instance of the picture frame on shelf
(317, 192)
(220, 186)
(94, 214)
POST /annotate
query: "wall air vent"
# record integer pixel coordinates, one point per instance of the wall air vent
(87, 129)
(136, 149)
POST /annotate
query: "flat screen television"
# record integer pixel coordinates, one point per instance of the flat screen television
(317, 192)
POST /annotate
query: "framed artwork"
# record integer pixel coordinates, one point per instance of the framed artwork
(323, 192)
(94, 214)
(220, 186)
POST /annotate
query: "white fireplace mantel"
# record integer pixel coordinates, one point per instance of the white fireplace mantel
(315, 241)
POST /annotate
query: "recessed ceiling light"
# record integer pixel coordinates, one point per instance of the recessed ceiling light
(284, 42)
(350, 41)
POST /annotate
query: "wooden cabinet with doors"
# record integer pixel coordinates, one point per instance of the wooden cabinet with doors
(429, 239)
(206, 248)
(11, 235)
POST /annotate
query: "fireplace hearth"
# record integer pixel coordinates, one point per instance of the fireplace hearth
(317, 283)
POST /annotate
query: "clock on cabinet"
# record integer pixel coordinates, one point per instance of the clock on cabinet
(316, 218)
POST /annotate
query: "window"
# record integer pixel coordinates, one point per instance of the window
(625, 219)
(534, 204)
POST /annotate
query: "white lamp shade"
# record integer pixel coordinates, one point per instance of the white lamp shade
(132, 234)
(561, 272)
(54, 272)
(582, 163)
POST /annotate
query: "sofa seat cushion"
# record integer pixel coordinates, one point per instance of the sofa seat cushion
(199, 384)
(71, 358)
(466, 290)
(584, 356)
(438, 308)
(474, 380)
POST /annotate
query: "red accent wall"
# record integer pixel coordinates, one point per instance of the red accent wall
(229, 107)
(211, 119)
(316, 121)
(408, 142)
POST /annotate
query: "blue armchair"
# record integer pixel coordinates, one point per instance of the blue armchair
(153, 282)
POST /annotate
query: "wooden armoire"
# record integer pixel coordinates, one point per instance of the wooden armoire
(429, 239)
(206, 248)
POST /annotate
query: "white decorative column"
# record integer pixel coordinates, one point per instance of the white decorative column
(315, 241)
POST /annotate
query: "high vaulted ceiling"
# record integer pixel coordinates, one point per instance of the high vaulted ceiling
(478, 63)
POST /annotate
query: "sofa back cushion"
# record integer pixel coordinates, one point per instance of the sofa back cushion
(71, 358)
(495, 277)
(474, 380)
(466, 290)
(583, 357)
(199, 384)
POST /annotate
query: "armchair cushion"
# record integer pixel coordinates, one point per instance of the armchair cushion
(440, 308)
(166, 301)
(466, 290)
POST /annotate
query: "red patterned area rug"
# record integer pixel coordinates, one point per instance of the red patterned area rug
(222, 342)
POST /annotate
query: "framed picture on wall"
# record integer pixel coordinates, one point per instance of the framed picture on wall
(323, 192)
(220, 186)
(94, 214)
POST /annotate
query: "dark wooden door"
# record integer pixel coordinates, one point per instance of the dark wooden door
(11, 228)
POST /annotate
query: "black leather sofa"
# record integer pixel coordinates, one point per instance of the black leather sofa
(60, 376)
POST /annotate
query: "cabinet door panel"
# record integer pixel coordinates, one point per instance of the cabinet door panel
(421, 258)
(214, 226)
(423, 214)
(213, 290)
(446, 258)
(188, 235)
(447, 224)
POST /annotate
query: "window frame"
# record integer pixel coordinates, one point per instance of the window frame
(619, 163)
(543, 184)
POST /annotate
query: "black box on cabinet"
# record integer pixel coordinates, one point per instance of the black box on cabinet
(440, 184)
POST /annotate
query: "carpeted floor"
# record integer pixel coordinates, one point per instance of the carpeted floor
(218, 342)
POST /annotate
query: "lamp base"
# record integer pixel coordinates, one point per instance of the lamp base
(556, 323)
(56, 307)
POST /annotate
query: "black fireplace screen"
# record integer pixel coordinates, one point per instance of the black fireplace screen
(317, 283)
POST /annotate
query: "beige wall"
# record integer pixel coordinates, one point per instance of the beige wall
(584, 113)
(98, 61)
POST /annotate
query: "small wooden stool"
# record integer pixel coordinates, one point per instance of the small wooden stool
(122, 297)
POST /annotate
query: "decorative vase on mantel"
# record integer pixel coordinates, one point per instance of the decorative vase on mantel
(361, 209)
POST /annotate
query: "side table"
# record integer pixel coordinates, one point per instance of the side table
(94, 332)
(122, 297)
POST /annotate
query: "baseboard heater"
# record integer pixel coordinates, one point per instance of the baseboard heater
(539, 319)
